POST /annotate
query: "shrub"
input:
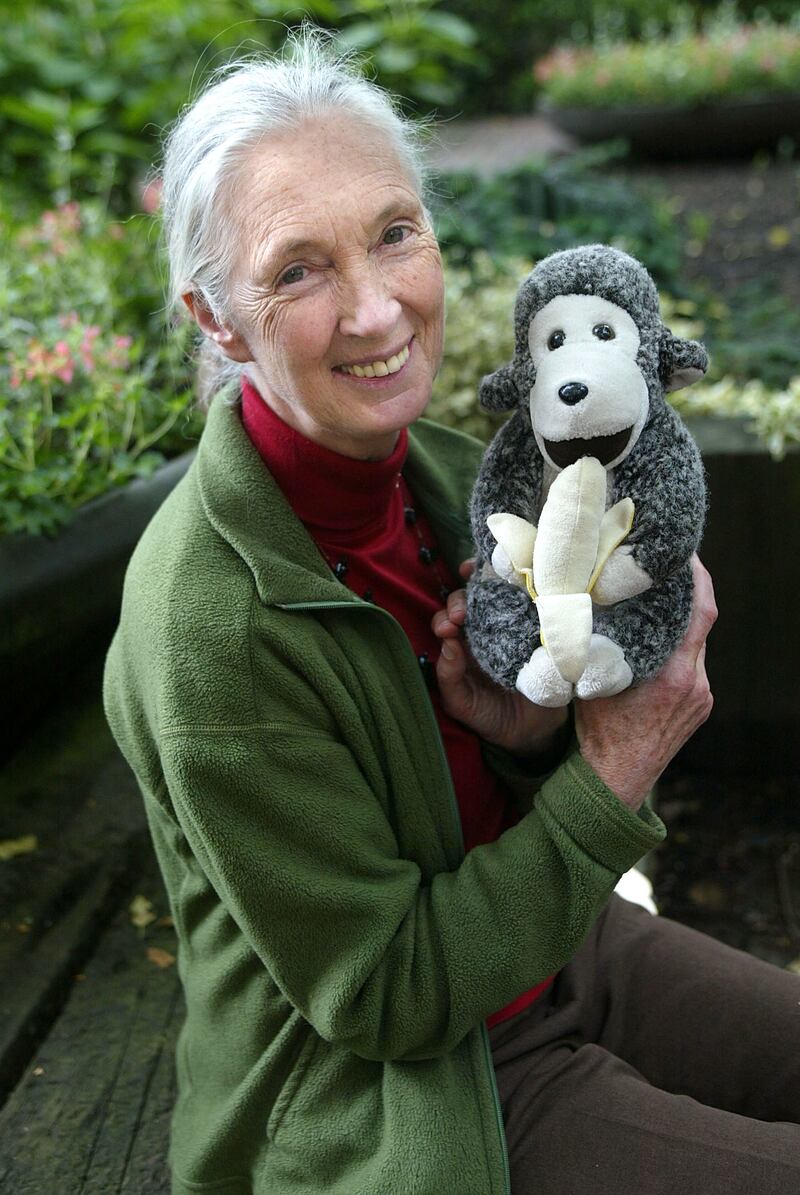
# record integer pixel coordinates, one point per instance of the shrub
(92, 393)
(543, 206)
(87, 88)
(724, 61)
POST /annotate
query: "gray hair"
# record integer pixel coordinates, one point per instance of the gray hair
(245, 102)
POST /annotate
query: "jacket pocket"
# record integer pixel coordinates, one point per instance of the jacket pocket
(293, 1083)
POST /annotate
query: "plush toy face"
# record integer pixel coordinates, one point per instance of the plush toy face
(590, 396)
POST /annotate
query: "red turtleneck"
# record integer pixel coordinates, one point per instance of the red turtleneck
(362, 518)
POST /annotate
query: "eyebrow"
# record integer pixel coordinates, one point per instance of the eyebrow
(283, 250)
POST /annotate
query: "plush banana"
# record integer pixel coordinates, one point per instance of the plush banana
(559, 562)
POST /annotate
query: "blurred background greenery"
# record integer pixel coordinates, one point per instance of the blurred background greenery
(95, 388)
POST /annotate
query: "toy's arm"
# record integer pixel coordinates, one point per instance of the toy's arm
(502, 624)
(665, 479)
(509, 482)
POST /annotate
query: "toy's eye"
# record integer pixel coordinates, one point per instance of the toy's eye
(555, 339)
(603, 332)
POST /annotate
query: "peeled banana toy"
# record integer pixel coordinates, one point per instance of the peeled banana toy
(591, 499)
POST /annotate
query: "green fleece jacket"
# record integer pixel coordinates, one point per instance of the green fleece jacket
(338, 950)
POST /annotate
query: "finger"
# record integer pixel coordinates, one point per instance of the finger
(704, 610)
(451, 674)
(443, 627)
(457, 606)
(467, 568)
(448, 622)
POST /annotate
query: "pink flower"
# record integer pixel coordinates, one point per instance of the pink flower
(150, 196)
(70, 214)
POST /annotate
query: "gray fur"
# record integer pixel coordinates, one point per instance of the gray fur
(662, 473)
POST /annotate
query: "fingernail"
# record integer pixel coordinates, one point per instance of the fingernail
(448, 650)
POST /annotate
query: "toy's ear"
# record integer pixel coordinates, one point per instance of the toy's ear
(499, 391)
(682, 361)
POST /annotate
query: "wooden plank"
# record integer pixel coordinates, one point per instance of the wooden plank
(90, 1116)
(87, 816)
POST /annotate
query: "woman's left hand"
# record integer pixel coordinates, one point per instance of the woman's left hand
(498, 715)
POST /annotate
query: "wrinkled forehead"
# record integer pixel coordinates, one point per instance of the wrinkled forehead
(326, 173)
(577, 317)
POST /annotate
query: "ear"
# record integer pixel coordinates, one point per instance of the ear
(681, 361)
(499, 391)
(229, 341)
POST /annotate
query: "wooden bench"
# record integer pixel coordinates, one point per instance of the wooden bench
(90, 1002)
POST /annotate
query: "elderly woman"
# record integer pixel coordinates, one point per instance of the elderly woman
(403, 974)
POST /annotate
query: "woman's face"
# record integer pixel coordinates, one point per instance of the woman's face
(337, 290)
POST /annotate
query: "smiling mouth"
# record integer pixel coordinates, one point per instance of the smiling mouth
(379, 368)
(604, 448)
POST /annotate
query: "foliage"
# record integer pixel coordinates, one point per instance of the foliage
(87, 87)
(724, 60)
(543, 206)
(754, 374)
(501, 79)
(92, 393)
(757, 334)
(479, 338)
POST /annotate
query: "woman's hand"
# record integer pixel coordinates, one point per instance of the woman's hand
(498, 715)
(629, 739)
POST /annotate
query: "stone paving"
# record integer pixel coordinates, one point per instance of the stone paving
(496, 143)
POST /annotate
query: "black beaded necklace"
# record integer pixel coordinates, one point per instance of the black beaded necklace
(427, 553)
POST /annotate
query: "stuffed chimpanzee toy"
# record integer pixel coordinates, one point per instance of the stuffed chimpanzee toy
(591, 498)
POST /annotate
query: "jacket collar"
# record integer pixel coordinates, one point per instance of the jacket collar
(245, 506)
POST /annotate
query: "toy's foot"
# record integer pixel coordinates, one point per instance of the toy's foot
(607, 671)
(541, 682)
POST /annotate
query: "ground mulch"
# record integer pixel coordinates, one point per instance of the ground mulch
(741, 220)
(730, 866)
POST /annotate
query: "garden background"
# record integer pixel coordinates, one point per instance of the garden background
(97, 413)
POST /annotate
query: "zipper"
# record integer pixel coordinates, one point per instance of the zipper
(445, 769)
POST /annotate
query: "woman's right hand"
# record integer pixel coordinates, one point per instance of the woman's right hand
(629, 739)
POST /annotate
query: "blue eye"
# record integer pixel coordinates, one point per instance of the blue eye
(293, 274)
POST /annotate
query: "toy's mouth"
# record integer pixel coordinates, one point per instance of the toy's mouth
(604, 448)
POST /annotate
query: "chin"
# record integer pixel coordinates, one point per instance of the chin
(404, 408)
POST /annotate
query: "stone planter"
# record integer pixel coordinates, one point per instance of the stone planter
(750, 549)
(726, 128)
(59, 598)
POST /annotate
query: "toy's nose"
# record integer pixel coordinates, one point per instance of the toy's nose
(572, 392)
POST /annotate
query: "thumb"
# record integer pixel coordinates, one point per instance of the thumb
(451, 673)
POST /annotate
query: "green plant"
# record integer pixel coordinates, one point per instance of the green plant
(87, 87)
(683, 67)
(479, 336)
(543, 206)
(92, 393)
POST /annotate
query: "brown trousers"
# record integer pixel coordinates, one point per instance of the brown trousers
(660, 1062)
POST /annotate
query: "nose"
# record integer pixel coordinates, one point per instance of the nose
(369, 308)
(572, 393)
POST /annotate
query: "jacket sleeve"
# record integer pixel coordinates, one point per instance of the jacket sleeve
(301, 852)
